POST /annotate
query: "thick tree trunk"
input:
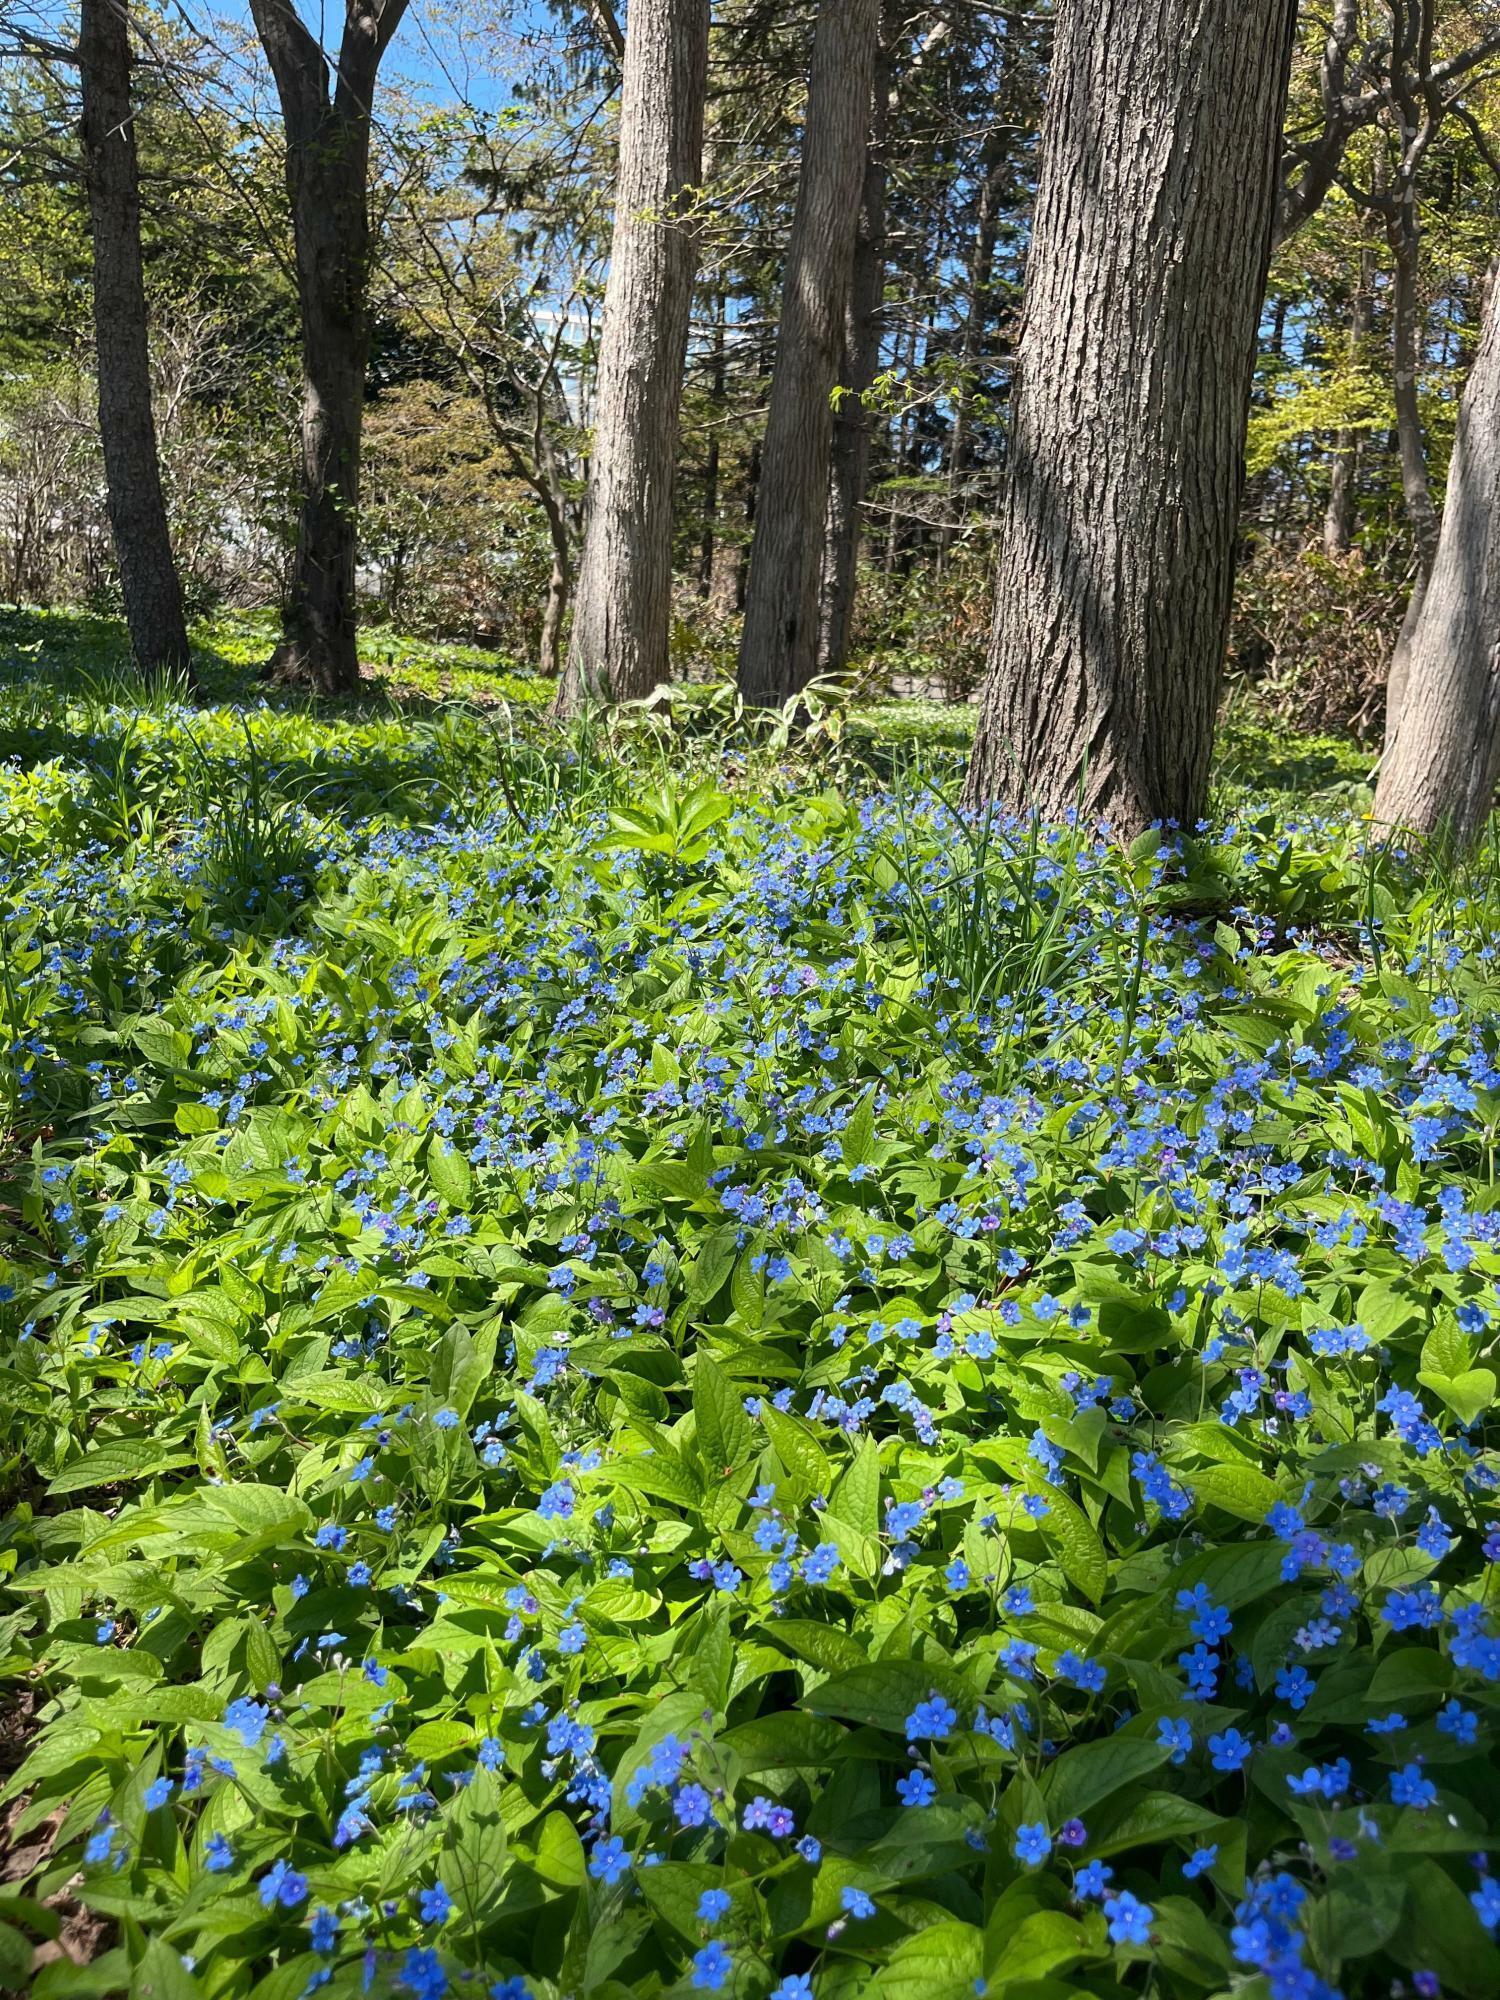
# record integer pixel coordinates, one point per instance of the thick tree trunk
(127, 428)
(1442, 755)
(1148, 262)
(849, 472)
(327, 170)
(779, 649)
(1343, 482)
(622, 621)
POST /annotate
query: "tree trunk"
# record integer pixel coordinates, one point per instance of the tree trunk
(708, 535)
(1148, 262)
(980, 278)
(622, 622)
(863, 329)
(779, 650)
(1343, 483)
(1442, 754)
(1416, 489)
(327, 170)
(127, 428)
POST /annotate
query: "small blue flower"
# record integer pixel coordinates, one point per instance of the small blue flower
(282, 1885)
(609, 1861)
(1033, 1844)
(1229, 1750)
(711, 1967)
(934, 1718)
(1410, 1788)
(1129, 1921)
(916, 1789)
(712, 1905)
(1199, 1862)
(436, 1904)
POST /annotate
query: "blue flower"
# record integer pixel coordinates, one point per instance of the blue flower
(1129, 1921)
(712, 1905)
(282, 1885)
(856, 1903)
(1033, 1844)
(796, 1986)
(711, 1967)
(1174, 1733)
(934, 1718)
(1199, 1862)
(609, 1861)
(1410, 1788)
(436, 1904)
(1090, 1882)
(247, 1719)
(1229, 1750)
(158, 1792)
(916, 1789)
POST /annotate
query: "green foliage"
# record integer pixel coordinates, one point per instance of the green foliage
(627, 1336)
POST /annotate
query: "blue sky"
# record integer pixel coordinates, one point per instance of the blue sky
(441, 48)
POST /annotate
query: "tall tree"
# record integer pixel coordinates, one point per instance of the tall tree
(127, 427)
(779, 648)
(622, 622)
(1148, 262)
(1442, 755)
(849, 456)
(327, 127)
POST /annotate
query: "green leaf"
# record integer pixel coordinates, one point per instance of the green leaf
(161, 1975)
(942, 1962)
(451, 1174)
(1468, 1395)
(1440, 1932)
(1083, 1777)
(1234, 1489)
(857, 1141)
(724, 1431)
(715, 1259)
(856, 1497)
(1079, 1549)
(786, 1741)
(883, 1693)
(118, 1463)
(799, 1451)
(475, 1849)
(1047, 1942)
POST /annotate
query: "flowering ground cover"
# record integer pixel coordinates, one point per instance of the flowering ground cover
(615, 1383)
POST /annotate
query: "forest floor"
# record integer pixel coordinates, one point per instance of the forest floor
(646, 1362)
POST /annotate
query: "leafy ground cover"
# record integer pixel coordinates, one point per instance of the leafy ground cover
(618, 1383)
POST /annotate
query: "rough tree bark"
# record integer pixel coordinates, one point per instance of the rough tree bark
(1116, 556)
(327, 126)
(622, 619)
(779, 649)
(849, 449)
(127, 428)
(1442, 755)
